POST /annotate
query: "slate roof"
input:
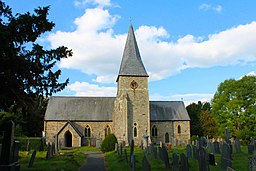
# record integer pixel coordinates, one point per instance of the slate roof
(131, 64)
(74, 126)
(168, 111)
(101, 109)
(80, 108)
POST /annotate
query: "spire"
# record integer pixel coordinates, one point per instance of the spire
(131, 64)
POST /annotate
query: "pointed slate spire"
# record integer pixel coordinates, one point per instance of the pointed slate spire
(131, 64)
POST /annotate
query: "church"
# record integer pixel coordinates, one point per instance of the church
(78, 121)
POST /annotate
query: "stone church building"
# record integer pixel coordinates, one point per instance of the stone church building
(77, 121)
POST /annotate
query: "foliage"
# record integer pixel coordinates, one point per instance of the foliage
(234, 106)
(35, 142)
(27, 72)
(194, 111)
(108, 144)
(208, 123)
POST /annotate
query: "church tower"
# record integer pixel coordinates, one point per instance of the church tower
(131, 117)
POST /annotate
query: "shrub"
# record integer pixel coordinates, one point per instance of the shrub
(108, 144)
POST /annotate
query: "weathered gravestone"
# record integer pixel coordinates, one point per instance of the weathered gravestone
(237, 146)
(121, 149)
(195, 152)
(189, 151)
(145, 164)
(203, 160)
(175, 162)
(211, 147)
(165, 157)
(145, 142)
(8, 158)
(16, 151)
(53, 149)
(216, 147)
(184, 162)
(125, 156)
(32, 158)
(212, 159)
(28, 146)
(133, 162)
(116, 147)
(48, 153)
(225, 157)
(154, 152)
(160, 153)
(250, 149)
(98, 142)
(252, 163)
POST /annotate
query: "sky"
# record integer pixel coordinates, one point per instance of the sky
(188, 47)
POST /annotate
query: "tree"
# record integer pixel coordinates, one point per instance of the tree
(234, 106)
(208, 123)
(194, 111)
(27, 72)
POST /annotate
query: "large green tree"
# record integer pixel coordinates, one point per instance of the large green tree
(27, 72)
(234, 106)
(194, 111)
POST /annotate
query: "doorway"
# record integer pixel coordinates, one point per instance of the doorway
(68, 139)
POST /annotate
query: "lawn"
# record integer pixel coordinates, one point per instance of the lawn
(116, 162)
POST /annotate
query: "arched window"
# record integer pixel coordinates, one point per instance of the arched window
(154, 131)
(87, 131)
(135, 131)
(107, 130)
(179, 129)
(166, 137)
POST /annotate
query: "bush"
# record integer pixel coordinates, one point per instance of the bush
(108, 144)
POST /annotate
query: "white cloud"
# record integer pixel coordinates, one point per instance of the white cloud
(207, 7)
(98, 50)
(252, 73)
(100, 3)
(186, 98)
(86, 89)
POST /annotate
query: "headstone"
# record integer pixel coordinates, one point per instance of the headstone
(216, 147)
(212, 159)
(175, 163)
(8, 150)
(184, 162)
(154, 152)
(165, 158)
(48, 153)
(250, 149)
(252, 163)
(98, 142)
(41, 147)
(28, 146)
(145, 164)
(195, 152)
(160, 144)
(226, 134)
(189, 151)
(125, 156)
(121, 150)
(226, 157)
(32, 158)
(237, 146)
(203, 160)
(145, 143)
(211, 147)
(16, 151)
(116, 147)
(53, 149)
(133, 162)
(160, 153)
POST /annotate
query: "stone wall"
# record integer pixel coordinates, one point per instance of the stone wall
(53, 127)
(137, 107)
(162, 129)
(184, 134)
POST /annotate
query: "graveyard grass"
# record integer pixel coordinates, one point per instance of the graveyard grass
(67, 159)
(116, 162)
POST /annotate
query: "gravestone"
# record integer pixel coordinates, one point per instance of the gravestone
(131, 149)
(32, 158)
(175, 163)
(160, 153)
(189, 151)
(133, 162)
(212, 159)
(203, 160)
(41, 147)
(165, 158)
(48, 153)
(226, 134)
(145, 164)
(237, 146)
(154, 152)
(28, 146)
(211, 147)
(195, 152)
(160, 144)
(125, 156)
(121, 150)
(53, 149)
(226, 157)
(16, 151)
(145, 143)
(116, 147)
(7, 157)
(216, 147)
(98, 142)
(252, 163)
(250, 149)
(184, 162)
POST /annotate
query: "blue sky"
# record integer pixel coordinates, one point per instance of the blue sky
(188, 47)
